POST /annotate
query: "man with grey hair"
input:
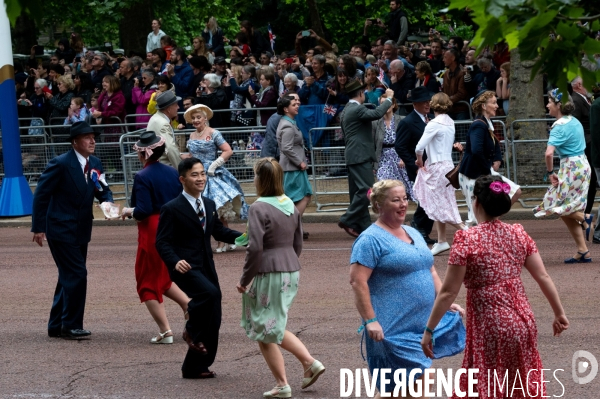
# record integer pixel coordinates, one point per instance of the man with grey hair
(99, 70)
(403, 81)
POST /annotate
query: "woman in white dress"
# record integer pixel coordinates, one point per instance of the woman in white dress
(431, 188)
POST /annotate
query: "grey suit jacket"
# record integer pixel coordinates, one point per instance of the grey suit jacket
(160, 125)
(356, 125)
(275, 241)
(291, 145)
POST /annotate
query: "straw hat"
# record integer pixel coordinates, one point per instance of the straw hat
(188, 114)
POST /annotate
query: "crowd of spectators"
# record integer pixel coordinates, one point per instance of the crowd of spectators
(252, 76)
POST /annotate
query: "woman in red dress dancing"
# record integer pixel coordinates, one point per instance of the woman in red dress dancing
(501, 329)
(153, 186)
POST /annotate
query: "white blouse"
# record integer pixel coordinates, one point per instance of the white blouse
(437, 139)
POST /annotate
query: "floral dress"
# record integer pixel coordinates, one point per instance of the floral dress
(574, 175)
(388, 165)
(223, 188)
(501, 329)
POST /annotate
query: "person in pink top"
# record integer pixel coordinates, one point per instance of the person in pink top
(140, 96)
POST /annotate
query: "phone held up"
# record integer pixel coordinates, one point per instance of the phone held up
(305, 33)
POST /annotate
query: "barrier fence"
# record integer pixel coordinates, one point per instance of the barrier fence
(326, 165)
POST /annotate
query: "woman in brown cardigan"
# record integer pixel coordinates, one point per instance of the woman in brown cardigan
(275, 243)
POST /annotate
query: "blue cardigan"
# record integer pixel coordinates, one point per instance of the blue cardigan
(480, 152)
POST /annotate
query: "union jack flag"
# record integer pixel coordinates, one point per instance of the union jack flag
(272, 38)
(382, 77)
(330, 110)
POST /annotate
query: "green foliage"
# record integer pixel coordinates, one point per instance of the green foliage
(527, 25)
(466, 32)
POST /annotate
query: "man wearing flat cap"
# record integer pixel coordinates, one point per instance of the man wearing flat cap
(160, 123)
(62, 214)
(360, 155)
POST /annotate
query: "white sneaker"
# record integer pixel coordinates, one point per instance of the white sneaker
(439, 248)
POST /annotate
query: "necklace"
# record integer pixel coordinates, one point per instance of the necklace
(200, 134)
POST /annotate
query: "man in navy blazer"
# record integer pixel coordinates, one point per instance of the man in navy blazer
(408, 133)
(62, 214)
(183, 242)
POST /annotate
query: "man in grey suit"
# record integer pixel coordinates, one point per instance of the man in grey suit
(360, 155)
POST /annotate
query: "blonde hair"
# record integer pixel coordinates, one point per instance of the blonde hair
(441, 103)
(236, 71)
(269, 175)
(380, 190)
(481, 100)
(67, 81)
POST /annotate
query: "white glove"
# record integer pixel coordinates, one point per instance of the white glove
(213, 166)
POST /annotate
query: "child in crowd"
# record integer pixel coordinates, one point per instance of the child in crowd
(94, 104)
(168, 45)
(241, 41)
(78, 111)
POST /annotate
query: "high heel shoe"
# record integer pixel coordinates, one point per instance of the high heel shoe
(317, 369)
(279, 392)
(587, 221)
(581, 259)
(162, 339)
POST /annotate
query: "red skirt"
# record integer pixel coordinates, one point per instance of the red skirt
(151, 273)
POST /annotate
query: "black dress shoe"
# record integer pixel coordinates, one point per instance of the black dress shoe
(75, 333)
(349, 230)
(200, 376)
(429, 241)
(596, 237)
(54, 333)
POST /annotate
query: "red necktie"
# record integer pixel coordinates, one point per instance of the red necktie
(86, 169)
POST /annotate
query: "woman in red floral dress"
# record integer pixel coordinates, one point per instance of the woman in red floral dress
(501, 329)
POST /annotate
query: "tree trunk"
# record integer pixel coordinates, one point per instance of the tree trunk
(526, 102)
(315, 19)
(135, 26)
(24, 34)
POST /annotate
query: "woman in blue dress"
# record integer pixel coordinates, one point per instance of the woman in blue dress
(395, 285)
(221, 186)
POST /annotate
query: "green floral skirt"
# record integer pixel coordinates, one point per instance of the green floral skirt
(265, 305)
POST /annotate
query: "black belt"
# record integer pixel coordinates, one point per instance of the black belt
(388, 145)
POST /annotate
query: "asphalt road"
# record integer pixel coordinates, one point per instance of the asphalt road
(119, 362)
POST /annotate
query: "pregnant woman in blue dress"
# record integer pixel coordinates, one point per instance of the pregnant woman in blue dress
(395, 285)
(221, 186)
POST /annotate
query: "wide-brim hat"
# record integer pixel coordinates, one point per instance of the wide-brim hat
(166, 99)
(147, 139)
(354, 85)
(420, 94)
(79, 128)
(188, 114)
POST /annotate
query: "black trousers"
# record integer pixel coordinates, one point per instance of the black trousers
(422, 221)
(68, 305)
(204, 323)
(593, 179)
(360, 180)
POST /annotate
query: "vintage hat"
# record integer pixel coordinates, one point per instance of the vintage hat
(354, 85)
(165, 99)
(147, 139)
(79, 128)
(220, 60)
(420, 94)
(188, 113)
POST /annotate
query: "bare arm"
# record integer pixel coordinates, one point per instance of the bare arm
(227, 151)
(359, 275)
(535, 266)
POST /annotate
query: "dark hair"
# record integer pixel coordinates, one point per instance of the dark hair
(362, 47)
(162, 54)
(241, 38)
(45, 65)
(163, 79)
(270, 77)
(189, 98)
(458, 42)
(437, 40)
(284, 102)
(494, 204)
(59, 69)
(248, 26)
(114, 84)
(168, 40)
(157, 153)
(186, 165)
(180, 52)
(349, 65)
(455, 54)
(269, 176)
(85, 81)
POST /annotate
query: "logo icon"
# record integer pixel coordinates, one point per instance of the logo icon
(579, 366)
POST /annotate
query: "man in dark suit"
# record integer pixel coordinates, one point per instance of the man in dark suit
(408, 134)
(360, 155)
(183, 242)
(62, 214)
